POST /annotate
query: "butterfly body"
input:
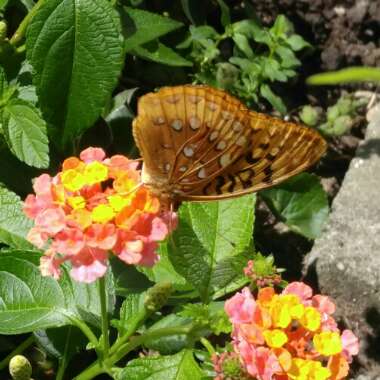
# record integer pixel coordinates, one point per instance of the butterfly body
(199, 143)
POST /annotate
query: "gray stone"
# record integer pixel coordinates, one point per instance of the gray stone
(345, 260)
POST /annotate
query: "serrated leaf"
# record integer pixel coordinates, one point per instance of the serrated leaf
(157, 52)
(213, 242)
(26, 133)
(272, 98)
(14, 225)
(31, 302)
(181, 366)
(130, 312)
(76, 51)
(301, 203)
(140, 27)
(164, 270)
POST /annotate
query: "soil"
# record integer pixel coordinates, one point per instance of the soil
(345, 32)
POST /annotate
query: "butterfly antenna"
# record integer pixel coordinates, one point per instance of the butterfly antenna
(133, 189)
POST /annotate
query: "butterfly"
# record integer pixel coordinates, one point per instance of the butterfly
(199, 143)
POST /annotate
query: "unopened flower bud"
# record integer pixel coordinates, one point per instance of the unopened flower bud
(20, 368)
(309, 115)
(157, 296)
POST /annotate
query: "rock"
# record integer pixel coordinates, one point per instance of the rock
(345, 260)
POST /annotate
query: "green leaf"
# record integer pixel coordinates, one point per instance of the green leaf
(301, 203)
(181, 366)
(31, 302)
(296, 42)
(225, 17)
(288, 58)
(61, 342)
(213, 242)
(157, 52)
(351, 74)
(280, 27)
(140, 27)
(164, 270)
(130, 312)
(25, 132)
(14, 225)
(75, 49)
(128, 279)
(272, 98)
(174, 343)
(253, 30)
(242, 43)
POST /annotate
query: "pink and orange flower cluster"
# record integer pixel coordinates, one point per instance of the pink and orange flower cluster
(291, 335)
(94, 206)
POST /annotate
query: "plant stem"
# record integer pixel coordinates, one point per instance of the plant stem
(96, 368)
(21, 30)
(206, 343)
(85, 330)
(103, 307)
(18, 350)
(63, 361)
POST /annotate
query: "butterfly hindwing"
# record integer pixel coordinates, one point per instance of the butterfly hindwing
(278, 151)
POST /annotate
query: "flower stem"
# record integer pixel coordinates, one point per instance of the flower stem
(63, 360)
(23, 346)
(103, 307)
(21, 30)
(97, 368)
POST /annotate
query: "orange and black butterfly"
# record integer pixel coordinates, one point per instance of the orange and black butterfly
(199, 143)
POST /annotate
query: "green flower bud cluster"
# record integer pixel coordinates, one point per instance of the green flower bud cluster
(157, 296)
(338, 119)
(20, 368)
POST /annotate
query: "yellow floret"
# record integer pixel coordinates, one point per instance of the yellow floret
(311, 319)
(328, 343)
(275, 338)
(308, 370)
(102, 213)
(72, 180)
(118, 202)
(95, 172)
(76, 202)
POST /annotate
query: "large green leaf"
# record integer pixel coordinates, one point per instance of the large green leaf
(181, 366)
(14, 225)
(29, 301)
(212, 244)
(75, 48)
(301, 203)
(25, 132)
(140, 27)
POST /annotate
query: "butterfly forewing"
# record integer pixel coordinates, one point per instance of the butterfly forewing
(207, 144)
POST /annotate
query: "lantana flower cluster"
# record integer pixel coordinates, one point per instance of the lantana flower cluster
(291, 335)
(94, 206)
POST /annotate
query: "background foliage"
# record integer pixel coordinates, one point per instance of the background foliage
(70, 75)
